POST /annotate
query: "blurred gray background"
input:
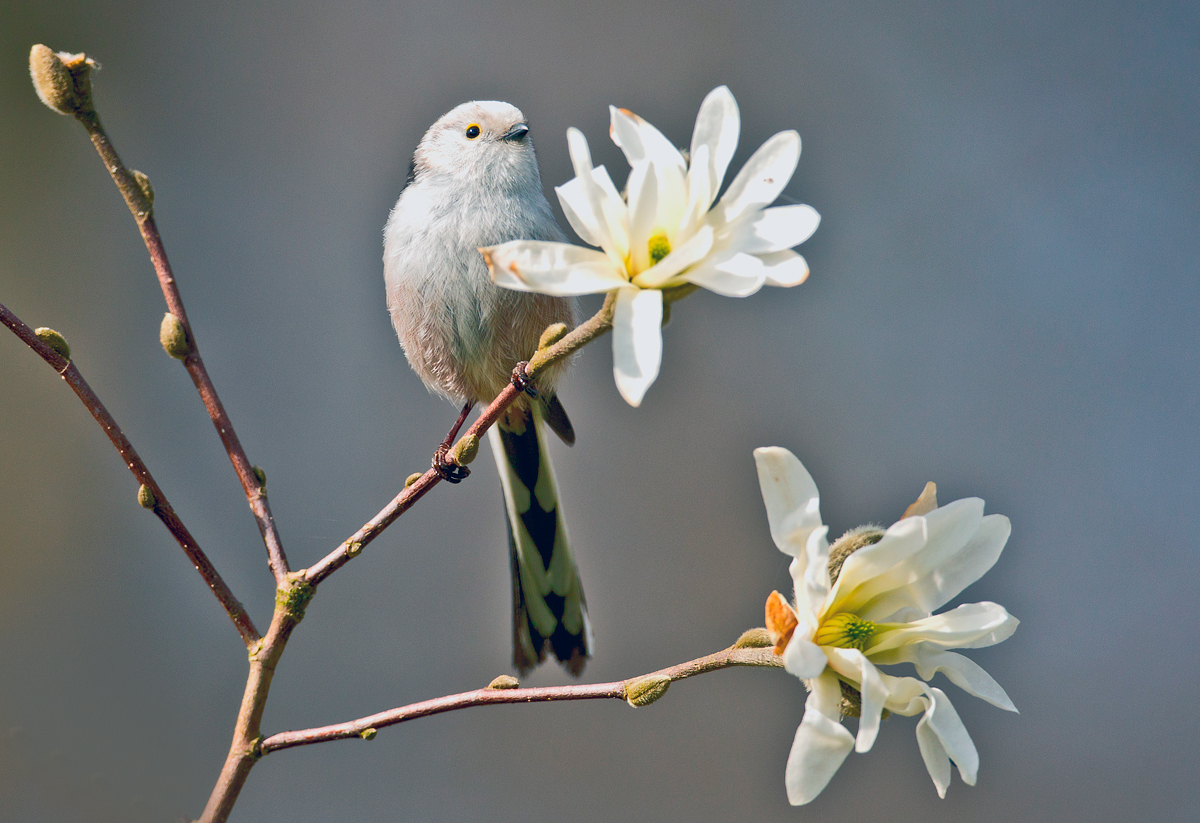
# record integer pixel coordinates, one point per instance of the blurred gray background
(1004, 299)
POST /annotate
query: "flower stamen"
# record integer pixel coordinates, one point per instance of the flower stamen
(660, 247)
(846, 631)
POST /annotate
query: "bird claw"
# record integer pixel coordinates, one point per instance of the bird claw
(522, 381)
(448, 471)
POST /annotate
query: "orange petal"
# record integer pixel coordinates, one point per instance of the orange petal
(781, 621)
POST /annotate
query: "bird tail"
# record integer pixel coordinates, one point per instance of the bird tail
(548, 602)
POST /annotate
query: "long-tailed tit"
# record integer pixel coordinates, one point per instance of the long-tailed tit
(474, 182)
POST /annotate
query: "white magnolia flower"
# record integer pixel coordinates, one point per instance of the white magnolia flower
(879, 611)
(666, 231)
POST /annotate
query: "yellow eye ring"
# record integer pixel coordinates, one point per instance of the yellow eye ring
(473, 131)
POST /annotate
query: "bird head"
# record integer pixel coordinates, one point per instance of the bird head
(481, 141)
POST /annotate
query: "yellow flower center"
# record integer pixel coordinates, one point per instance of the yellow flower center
(660, 247)
(846, 631)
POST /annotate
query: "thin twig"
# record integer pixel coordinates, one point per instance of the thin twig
(594, 327)
(140, 204)
(161, 506)
(490, 697)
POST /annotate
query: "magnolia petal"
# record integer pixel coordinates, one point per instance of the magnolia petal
(784, 268)
(891, 580)
(762, 179)
(791, 498)
(683, 256)
(820, 746)
(776, 229)
(578, 208)
(946, 578)
(943, 721)
(637, 341)
(960, 670)
(717, 127)
(937, 762)
(812, 588)
(803, 658)
(545, 267)
(643, 214)
(732, 274)
(641, 141)
(861, 574)
(701, 190)
(607, 216)
(970, 626)
(869, 681)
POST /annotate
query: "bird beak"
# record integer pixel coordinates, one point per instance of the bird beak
(517, 133)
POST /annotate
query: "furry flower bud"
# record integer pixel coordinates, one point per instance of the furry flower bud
(174, 337)
(62, 80)
(55, 341)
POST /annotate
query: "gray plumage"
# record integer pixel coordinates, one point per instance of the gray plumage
(474, 182)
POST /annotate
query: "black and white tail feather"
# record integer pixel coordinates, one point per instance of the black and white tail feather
(548, 602)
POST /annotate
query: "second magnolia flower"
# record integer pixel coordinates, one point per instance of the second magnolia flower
(666, 231)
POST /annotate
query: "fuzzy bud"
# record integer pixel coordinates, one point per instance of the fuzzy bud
(412, 478)
(754, 639)
(645, 690)
(367, 734)
(261, 476)
(553, 333)
(174, 337)
(146, 497)
(505, 681)
(464, 450)
(55, 341)
(62, 80)
(143, 183)
(848, 544)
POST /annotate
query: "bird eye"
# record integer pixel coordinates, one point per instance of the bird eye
(472, 131)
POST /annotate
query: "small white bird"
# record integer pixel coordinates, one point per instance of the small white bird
(474, 182)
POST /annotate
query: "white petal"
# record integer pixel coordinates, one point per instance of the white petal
(784, 268)
(551, 268)
(970, 626)
(578, 208)
(943, 721)
(820, 746)
(641, 141)
(862, 573)
(643, 214)
(791, 497)
(777, 229)
(871, 686)
(731, 273)
(803, 658)
(683, 256)
(812, 588)
(960, 670)
(717, 126)
(762, 179)
(937, 762)
(637, 341)
(700, 191)
(607, 208)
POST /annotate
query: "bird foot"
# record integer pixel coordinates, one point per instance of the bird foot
(448, 471)
(522, 381)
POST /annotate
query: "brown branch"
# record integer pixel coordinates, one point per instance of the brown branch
(619, 690)
(244, 750)
(160, 505)
(594, 327)
(140, 202)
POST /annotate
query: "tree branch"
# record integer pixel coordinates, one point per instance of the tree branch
(140, 202)
(619, 690)
(159, 503)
